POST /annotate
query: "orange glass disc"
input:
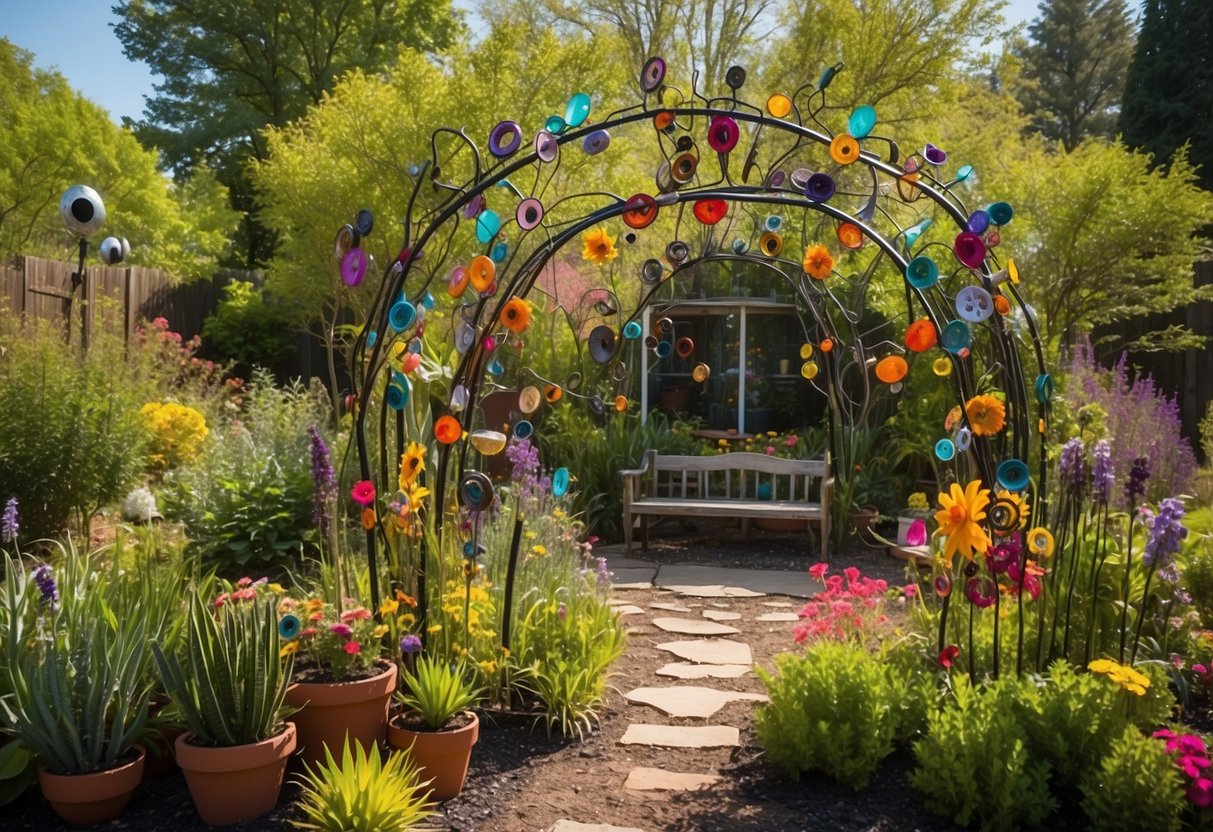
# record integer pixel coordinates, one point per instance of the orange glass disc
(621, 404)
(844, 149)
(891, 369)
(552, 393)
(458, 282)
(710, 211)
(663, 119)
(481, 271)
(447, 430)
(850, 235)
(779, 105)
(907, 187)
(1001, 305)
(920, 335)
(827, 344)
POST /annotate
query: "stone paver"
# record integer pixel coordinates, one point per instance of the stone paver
(721, 615)
(629, 609)
(682, 670)
(682, 736)
(633, 585)
(724, 605)
(689, 700)
(712, 591)
(777, 603)
(670, 607)
(644, 779)
(716, 651)
(694, 627)
(573, 826)
(779, 616)
(759, 581)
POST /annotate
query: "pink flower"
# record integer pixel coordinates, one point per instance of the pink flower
(842, 608)
(246, 594)
(245, 581)
(352, 647)
(770, 450)
(307, 632)
(910, 590)
(818, 570)
(363, 493)
(221, 600)
(1200, 792)
(356, 614)
(948, 655)
(342, 630)
(851, 573)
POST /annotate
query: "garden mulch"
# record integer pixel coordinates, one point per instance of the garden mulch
(523, 781)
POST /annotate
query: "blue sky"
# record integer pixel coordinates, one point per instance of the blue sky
(75, 36)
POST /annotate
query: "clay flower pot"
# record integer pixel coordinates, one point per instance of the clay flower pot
(235, 783)
(441, 756)
(331, 709)
(87, 799)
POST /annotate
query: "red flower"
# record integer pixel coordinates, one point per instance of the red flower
(818, 570)
(948, 655)
(352, 647)
(363, 493)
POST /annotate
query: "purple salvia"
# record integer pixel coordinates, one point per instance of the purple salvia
(1071, 465)
(604, 577)
(9, 524)
(1167, 533)
(1102, 475)
(324, 479)
(45, 579)
(410, 644)
(1135, 488)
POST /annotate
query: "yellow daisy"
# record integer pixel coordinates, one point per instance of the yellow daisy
(412, 463)
(959, 518)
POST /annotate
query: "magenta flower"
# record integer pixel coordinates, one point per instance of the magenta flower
(342, 630)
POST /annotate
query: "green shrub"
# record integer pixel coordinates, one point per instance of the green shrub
(250, 327)
(1197, 565)
(361, 793)
(247, 501)
(1136, 786)
(975, 763)
(834, 709)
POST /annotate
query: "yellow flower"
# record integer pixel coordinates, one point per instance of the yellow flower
(818, 262)
(598, 247)
(406, 620)
(314, 605)
(1020, 505)
(959, 517)
(987, 414)
(412, 463)
(539, 550)
(1127, 677)
(389, 607)
(434, 628)
(489, 666)
(531, 535)
(275, 588)
(288, 649)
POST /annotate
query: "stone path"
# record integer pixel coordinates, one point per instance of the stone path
(712, 657)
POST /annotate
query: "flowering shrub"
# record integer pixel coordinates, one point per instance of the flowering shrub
(176, 433)
(850, 608)
(339, 642)
(1192, 759)
(789, 445)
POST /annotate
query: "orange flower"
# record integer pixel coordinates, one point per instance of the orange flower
(818, 262)
(959, 517)
(598, 247)
(368, 518)
(986, 413)
(516, 315)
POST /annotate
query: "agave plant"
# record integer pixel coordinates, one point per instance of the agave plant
(436, 691)
(362, 793)
(231, 685)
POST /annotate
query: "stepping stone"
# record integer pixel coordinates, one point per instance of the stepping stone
(670, 607)
(754, 581)
(681, 670)
(659, 780)
(689, 700)
(633, 585)
(682, 736)
(574, 826)
(779, 616)
(777, 604)
(629, 609)
(720, 604)
(717, 651)
(714, 591)
(694, 627)
(720, 615)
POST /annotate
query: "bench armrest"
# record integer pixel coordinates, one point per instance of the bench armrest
(631, 479)
(646, 462)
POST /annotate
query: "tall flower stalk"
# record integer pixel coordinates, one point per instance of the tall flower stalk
(1135, 490)
(1167, 534)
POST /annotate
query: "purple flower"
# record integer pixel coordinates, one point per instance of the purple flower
(1102, 477)
(1071, 465)
(604, 577)
(525, 467)
(562, 612)
(410, 644)
(1000, 558)
(1166, 533)
(45, 580)
(1135, 488)
(324, 478)
(8, 523)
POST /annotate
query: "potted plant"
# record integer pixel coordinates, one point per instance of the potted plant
(435, 723)
(911, 521)
(341, 684)
(230, 692)
(77, 694)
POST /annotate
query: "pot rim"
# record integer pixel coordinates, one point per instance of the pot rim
(222, 758)
(347, 692)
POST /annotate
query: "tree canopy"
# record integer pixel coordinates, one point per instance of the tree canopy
(1074, 68)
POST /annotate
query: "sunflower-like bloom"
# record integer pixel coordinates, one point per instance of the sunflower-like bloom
(959, 518)
(516, 315)
(818, 262)
(1128, 678)
(987, 414)
(412, 463)
(598, 246)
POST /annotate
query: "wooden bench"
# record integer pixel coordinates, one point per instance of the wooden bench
(744, 485)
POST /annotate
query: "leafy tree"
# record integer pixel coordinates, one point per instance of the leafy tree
(1074, 68)
(231, 67)
(1168, 98)
(51, 138)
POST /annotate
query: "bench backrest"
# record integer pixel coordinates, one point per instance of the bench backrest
(736, 476)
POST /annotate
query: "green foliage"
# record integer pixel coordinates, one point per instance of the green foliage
(436, 690)
(1197, 566)
(1136, 786)
(833, 709)
(362, 793)
(77, 685)
(228, 679)
(250, 327)
(18, 770)
(247, 501)
(1074, 68)
(72, 438)
(975, 763)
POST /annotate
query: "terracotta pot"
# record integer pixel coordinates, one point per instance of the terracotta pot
(235, 783)
(330, 710)
(862, 518)
(442, 756)
(87, 799)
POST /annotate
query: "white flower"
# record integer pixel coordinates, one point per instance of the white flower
(140, 506)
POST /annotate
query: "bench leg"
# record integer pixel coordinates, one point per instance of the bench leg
(627, 532)
(644, 532)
